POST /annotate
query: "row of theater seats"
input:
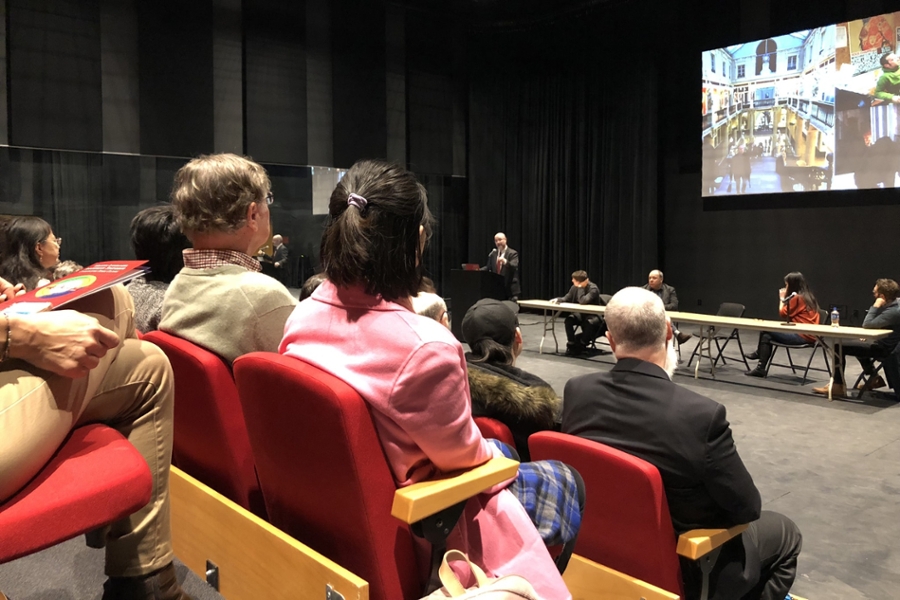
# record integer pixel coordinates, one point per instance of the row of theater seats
(297, 447)
(324, 480)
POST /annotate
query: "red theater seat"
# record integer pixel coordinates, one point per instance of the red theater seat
(626, 524)
(211, 442)
(324, 476)
(96, 477)
(494, 429)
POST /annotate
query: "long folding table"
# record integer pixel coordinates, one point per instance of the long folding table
(831, 337)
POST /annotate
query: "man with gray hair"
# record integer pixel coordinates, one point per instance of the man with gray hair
(432, 306)
(220, 300)
(636, 408)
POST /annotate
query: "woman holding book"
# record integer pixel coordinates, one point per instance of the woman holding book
(29, 251)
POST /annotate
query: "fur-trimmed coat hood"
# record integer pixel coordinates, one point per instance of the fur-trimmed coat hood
(521, 401)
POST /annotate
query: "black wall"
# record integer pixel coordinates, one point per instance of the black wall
(577, 133)
(573, 194)
(106, 99)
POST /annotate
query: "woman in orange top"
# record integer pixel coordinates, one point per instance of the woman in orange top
(796, 304)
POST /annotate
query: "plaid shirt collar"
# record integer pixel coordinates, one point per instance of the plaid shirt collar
(209, 259)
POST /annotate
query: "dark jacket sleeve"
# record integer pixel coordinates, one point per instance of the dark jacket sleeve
(726, 478)
(591, 296)
(672, 300)
(512, 259)
(570, 295)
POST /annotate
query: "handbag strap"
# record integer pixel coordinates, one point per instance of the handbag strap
(449, 579)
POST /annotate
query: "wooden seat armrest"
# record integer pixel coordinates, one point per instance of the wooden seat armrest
(419, 500)
(589, 580)
(697, 543)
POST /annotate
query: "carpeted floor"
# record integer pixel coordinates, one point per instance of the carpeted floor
(830, 466)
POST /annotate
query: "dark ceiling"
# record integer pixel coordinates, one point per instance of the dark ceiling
(509, 14)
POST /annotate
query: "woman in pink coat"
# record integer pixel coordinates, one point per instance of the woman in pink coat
(359, 325)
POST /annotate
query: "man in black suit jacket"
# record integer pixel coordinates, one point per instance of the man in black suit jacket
(638, 409)
(504, 261)
(583, 291)
(668, 296)
(280, 259)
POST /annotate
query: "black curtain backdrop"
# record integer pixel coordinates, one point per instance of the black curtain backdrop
(563, 159)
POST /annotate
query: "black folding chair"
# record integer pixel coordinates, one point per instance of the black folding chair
(722, 337)
(818, 344)
(864, 378)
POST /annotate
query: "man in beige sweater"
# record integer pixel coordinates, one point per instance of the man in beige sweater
(220, 300)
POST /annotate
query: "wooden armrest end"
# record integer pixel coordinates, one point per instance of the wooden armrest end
(419, 500)
(697, 543)
(588, 580)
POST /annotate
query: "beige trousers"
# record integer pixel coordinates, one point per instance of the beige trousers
(132, 391)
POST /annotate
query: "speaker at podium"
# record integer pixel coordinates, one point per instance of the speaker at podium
(467, 287)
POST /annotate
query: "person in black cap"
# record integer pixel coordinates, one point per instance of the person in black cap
(523, 402)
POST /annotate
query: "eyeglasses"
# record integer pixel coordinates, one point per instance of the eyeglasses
(57, 241)
(270, 198)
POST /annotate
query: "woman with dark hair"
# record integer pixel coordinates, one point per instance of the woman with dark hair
(796, 304)
(156, 238)
(523, 402)
(359, 325)
(29, 251)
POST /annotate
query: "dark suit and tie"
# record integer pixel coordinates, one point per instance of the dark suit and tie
(508, 268)
(280, 260)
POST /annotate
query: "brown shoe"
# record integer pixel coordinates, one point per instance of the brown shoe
(837, 389)
(683, 337)
(158, 585)
(873, 383)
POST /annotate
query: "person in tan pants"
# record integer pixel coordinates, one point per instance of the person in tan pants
(67, 368)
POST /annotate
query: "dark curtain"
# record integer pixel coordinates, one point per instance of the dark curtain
(563, 159)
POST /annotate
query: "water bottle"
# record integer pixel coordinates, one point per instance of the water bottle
(835, 317)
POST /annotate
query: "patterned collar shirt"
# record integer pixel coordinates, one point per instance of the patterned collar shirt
(209, 259)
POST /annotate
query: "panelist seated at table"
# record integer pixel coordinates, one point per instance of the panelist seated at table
(883, 314)
(668, 296)
(583, 291)
(796, 304)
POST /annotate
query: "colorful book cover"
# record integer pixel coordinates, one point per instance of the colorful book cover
(85, 282)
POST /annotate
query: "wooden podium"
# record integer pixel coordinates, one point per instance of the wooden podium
(467, 288)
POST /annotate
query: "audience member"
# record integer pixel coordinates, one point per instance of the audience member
(359, 326)
(156, 238)
(504, 261)
(583, 291)
(67, 368)
(668, 296)
(883, 314)
(639, 410)
(427, 285)
(220, 300)
(29, 251)
(310, 285)
(428, 304)
(523, 402)
(66, 268)
(796, 304)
